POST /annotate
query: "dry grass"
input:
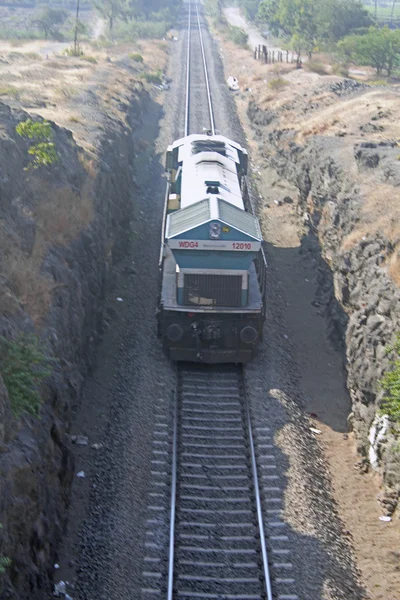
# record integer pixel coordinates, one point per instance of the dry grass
(22, 282)
(394, 265)
(59, 215)
(319, 128)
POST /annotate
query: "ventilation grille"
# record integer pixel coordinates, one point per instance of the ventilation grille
(212, 290)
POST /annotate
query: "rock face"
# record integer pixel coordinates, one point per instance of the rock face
(35, 465)
(361, 298)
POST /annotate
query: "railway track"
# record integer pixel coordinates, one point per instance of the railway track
(199, 114)
(209, 483)
(217, 539)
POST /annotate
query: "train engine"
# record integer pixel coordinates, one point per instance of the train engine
(212, 265)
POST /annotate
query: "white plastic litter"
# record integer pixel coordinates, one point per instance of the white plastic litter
(317, 431)
(81, 440)
(233, 83)
(56, 566)
(385, 518)
(81, 474)
(59, 588)
(119, 300)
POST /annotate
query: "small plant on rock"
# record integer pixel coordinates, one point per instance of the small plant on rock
(136, 57)
(390, 383)
(277, 83)
(155, 78)
(4, 560)
(23, 366)
(43, 150)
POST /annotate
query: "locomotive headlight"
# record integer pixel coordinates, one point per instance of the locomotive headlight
(214, 231)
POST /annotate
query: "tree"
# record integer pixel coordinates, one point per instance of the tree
(48, 20)
(111, 10)
(144, 9)
(250, 8)
(295, 18)
(310, 22)
(379, 48)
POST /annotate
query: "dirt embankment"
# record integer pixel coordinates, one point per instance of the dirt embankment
(63, 228)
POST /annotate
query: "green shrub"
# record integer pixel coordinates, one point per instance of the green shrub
(43, 150)
(135, 56)
(23, 366)
(9, 90)
(72, 51)
(316, 67)
(390, 383)
(134, 30)
(155, 78)
(4, 563)
(89, 59)
(277, 83)
(340, 69)
(237, 35)
(32, 55)
(44, 154)
(4, 560)
(34, 130)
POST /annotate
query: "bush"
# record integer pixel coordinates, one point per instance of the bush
(155, 78)
(4, 560)
(340, 69)
(72, 51)
(316, 67)
(136, 57)
(134, 30)
(277, 84)
(23, 366)
(390, 383)
(34, 130)
(10, 91)
(89, 59)
(4, 563)
(237, 35)
(44, 150)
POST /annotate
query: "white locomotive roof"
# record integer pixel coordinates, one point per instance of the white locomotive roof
(203, 165)
(207, 210)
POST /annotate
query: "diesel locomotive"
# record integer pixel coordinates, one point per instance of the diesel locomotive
(212, 265)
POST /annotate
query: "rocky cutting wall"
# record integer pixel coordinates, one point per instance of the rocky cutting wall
(35, 465)
(360, 296)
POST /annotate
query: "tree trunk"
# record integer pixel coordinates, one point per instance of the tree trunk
(76, 29)
(392, 13)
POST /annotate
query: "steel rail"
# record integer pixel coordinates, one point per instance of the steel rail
(210, 108)
(188, 75)
(173, 499)
(267, 577)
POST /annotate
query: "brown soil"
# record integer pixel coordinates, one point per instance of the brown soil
(375, 543)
